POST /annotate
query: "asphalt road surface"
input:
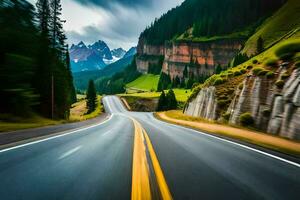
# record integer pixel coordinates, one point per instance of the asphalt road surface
(109, 160)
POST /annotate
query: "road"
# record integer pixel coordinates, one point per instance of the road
(135, 156)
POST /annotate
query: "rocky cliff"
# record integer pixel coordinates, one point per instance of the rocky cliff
(177, 55)
(275, 110)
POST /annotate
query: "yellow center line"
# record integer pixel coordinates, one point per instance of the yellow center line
(140, 189)
(160, 178)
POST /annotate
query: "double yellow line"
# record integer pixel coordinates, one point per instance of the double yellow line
(141, 187)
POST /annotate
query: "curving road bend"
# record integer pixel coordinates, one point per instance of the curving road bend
(99, 162)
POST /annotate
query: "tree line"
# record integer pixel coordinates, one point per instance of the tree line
(34, 60)
(209, 18)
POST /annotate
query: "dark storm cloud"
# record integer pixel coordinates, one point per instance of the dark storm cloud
(121, 20)
(108, 3)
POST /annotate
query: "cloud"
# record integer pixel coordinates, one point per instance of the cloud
(108, 3)
(117, 22)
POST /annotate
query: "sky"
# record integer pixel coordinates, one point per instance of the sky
(117, 22)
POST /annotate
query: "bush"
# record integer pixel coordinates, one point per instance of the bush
(263, 73)
(271, 63)
(249, 67)
(223, 103)
(246, 119)
(254, 61)
(237, 73)
(256, 70)
(241, 86)
(270, 75)
(243, 71)
(285, 76)
(226, 116)
(266, 112)
(288, 50)
(218, 81)
(279, 84)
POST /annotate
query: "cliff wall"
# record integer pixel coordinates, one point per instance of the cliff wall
(275, 111)
(177, 55)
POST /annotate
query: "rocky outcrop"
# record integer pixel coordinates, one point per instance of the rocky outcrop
(276, 111)
(204, 105)
(177, 55)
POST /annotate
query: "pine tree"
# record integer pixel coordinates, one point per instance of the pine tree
(185, 72)
(260, 45)
(91, 97)
(162, 102)
(182, 82)
(56, 23)
(70, 79)
(171, 99)
(43, 15)
(218, 69)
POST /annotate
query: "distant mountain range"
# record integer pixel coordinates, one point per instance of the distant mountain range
(95, 56)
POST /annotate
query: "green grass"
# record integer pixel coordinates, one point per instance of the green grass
(32, 122)
(147, 82)
(78, 113)
(282, 25)
(79, 110)
(181, 94)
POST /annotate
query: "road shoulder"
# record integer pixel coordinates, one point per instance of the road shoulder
(273, 143)
(13, 138)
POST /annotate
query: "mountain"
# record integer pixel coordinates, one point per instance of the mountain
(130, 52)
(101, 48)
(91, 57)
(118, 53)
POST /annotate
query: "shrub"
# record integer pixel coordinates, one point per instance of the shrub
(223, 103)
(241, 86)
(243, 71)
(237, 73)
(263, 72)
(256, 70)
(284, 76)
(271, 63)
(218, 81)
(254, 61)
(287, 50)
(270, 75)
(279, 84)
(226, 116)
(246, 119)
(266, 112)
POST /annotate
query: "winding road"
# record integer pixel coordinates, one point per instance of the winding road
(135, 156)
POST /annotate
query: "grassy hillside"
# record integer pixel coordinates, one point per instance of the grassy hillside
(282, 25)
(181, 94)
(147, 82)
(209, 18)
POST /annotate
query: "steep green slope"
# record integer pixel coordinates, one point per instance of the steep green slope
(282, 25)
(209, 18)
(147, 82)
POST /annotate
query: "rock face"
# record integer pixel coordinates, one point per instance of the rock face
(204, 105)
(177, 55)
(276, 111)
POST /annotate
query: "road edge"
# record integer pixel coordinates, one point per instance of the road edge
(36, 138)
(268, 149)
